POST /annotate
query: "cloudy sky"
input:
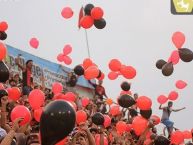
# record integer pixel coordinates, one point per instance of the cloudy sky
(138, 33)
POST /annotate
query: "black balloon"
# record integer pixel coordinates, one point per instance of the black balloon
(167, 69)
(79, 70)
(98, 118)
(88, 8)
(146, 113)
(100, 24)
(3, 93)
(160, 63)
(4, 72)
(57, 121)
(125, 86)
(161, 140)
(186, 54)
(3, 35)
(126, 101)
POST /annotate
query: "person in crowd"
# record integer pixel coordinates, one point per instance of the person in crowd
(166, 115)
(99, 95)
(27, 75)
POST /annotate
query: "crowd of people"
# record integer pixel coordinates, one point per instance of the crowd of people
(86, 133)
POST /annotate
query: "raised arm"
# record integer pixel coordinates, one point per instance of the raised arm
(89, 135)
(18, 64)
(176, 110)
(161, 107)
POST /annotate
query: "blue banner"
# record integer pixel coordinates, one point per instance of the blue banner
(52, 72)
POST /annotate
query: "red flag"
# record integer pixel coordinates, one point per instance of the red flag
(81, 14)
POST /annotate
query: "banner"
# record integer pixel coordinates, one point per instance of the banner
(52, 72)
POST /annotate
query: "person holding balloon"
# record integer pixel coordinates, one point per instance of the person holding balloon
(83, 136)
(166, 115)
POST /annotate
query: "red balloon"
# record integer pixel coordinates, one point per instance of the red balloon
(128, 127)
(144, 103)
(115, 110)
(162, 99)
(62, 142)
(21, 111)
(3, 26)
(59, 96)
(147, 142)
(34, 43)
(121, 127)
(139, 124)
(97, 140)
(86, 22)
(97, 13)
(67, 12)
(57, 88)
(67, 49)
(181, 84)
(69, 96)
(187, 134)
(85, 101)
(3, 51)
(156, 119)
(115, 65)
(67, 60)
(107, 121)
(60, 57)
(87, 63)
(91, 73)
(177, 137)
(173, 96)
(14, 93)
(102, 77)
(38, 113)
(1, 86)
(178, 39)
(174, 58)
(36, 99)
(128, 72)
(81, 117)
(113, 75)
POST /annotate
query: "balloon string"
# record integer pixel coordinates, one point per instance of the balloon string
(87, 44)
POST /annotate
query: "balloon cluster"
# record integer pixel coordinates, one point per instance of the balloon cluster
(184, 54)
(117, 68)
(173, 95)
(89, 69)
(63, 57)
(178, 137)
(92, 15)
(34, 43)
(3, 28)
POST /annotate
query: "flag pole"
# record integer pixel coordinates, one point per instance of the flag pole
(81, 14)
(87, 43)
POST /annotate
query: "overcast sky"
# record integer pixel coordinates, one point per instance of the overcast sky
(138, 33)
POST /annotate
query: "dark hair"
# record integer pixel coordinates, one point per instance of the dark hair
(3, 93)
(170, 102)
(161, 140)
(12, 80)
(28, 61)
